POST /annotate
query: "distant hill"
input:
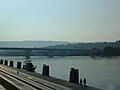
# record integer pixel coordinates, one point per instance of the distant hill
(59, 44)
(86, 49)
(87, 46)
(30, 43)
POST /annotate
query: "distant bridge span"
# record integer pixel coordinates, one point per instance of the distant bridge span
(28, 50)
(17, 48)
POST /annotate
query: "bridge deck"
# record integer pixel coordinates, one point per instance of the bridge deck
(17, 48)
(33, 81)
(2, 88)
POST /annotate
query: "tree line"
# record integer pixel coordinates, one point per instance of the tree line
(85, 49)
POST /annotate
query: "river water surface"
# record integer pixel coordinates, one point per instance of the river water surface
(101, 73)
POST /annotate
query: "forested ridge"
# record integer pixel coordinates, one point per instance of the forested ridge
(85, 49)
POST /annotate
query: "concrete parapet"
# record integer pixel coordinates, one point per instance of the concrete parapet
(45, 70)
(11, 64)
(74, 76)
(1, 61)
(6, 62)
(19, 65)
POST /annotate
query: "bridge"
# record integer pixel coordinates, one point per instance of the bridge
(17, 48)
(28, 50)
(12, 78)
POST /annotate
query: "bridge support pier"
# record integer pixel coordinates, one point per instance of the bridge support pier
(45, 70)
(27, 57)
(74, 76)
(27, 53)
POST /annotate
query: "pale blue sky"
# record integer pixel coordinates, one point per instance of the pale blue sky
(60, 20)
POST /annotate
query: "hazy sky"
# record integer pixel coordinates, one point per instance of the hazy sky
(60, 20)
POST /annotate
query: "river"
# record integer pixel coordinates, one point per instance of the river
(101, 73)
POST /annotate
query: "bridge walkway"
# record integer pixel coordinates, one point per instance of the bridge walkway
(25, 80)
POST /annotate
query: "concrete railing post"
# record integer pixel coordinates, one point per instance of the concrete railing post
(74, 76)
(45, 70)
(77, 76)
(11, 63)
(6, 62)
(19, 65)
(1, 61)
